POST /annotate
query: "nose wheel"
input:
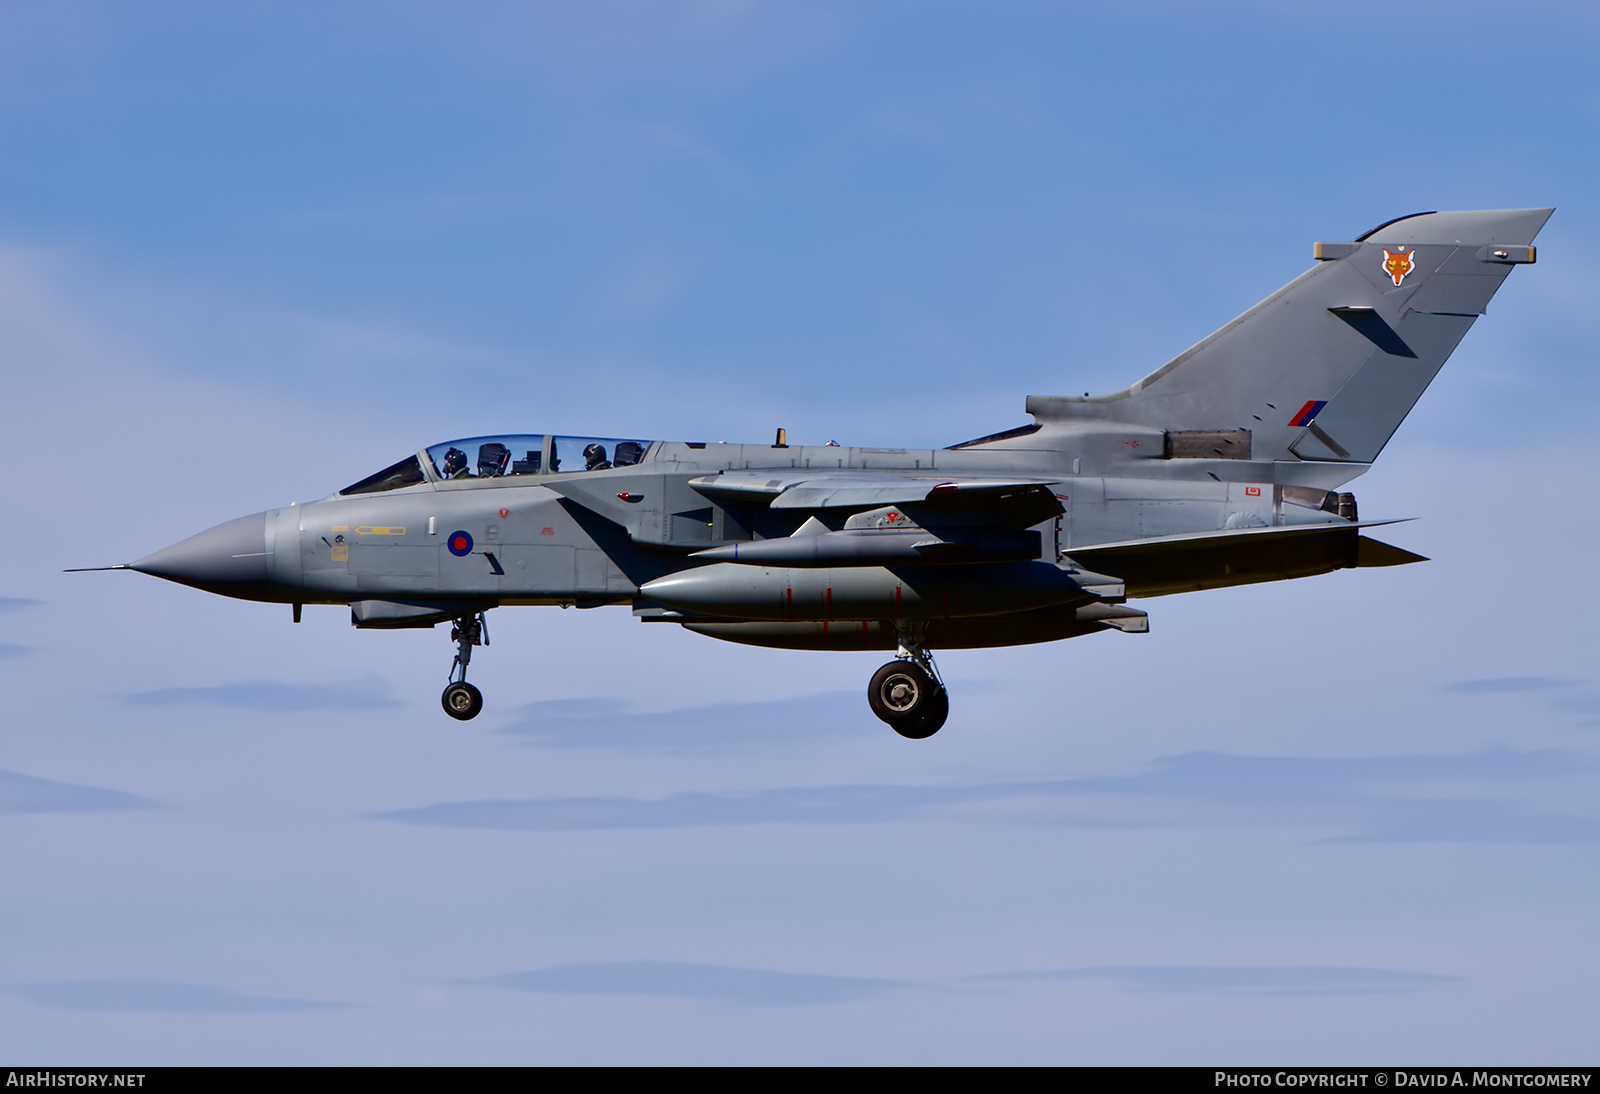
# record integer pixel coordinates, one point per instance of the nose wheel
(461, 700)
(907, 694)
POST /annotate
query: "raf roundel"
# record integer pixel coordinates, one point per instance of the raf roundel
(460, 544)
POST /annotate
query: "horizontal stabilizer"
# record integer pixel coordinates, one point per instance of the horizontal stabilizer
(1372, 552)
(1162, 565)
(1162, 544)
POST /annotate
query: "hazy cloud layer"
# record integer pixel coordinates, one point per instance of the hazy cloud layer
(608, 723)
(1374, 799)
(839, 804)
(268, 697)
(1585, 701)
(1502, 684)
(767, 987)
(1244, 979)
(1578, 697)
(26, 794)
(8, 650)
(157, 995)
(17, 603)
(691, 981)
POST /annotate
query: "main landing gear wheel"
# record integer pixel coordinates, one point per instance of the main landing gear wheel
(908, 698)
(461, 700)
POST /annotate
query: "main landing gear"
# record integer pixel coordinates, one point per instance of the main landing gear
(460, 699)
(907, 692)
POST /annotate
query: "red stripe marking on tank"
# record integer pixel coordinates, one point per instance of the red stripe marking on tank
(788, 601)
(830, 604)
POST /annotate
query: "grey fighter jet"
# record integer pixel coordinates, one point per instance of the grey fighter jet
(1222, 467)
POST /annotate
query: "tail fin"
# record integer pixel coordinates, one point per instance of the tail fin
(1327, 367)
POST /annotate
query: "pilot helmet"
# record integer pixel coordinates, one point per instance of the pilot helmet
(455, 462)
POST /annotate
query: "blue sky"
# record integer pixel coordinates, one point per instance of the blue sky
(250, 254)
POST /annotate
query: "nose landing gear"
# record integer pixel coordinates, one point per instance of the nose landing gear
(907, 693)
(460, 699)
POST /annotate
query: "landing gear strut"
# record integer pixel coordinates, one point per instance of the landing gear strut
(907, 692)
(460, 699)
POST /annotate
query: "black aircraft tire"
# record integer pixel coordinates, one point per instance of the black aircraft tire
(907, 699)
(932, 720)
(462, 701)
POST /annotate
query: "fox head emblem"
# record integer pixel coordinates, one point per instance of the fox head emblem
(1398, 264)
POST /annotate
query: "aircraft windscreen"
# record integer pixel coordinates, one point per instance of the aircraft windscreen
(489, 457)
(408, 472)
(594, 453)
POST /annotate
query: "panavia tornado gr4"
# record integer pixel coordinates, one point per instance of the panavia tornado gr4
(1222, 467)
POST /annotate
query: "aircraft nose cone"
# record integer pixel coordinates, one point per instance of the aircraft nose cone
(230, 559)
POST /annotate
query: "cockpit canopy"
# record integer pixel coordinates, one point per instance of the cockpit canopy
(408, 472)
(503, 456)
(489, 457)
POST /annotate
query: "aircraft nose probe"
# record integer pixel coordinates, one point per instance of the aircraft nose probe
(230, 558)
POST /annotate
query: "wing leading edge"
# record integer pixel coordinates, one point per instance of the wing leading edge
(1163, 565)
